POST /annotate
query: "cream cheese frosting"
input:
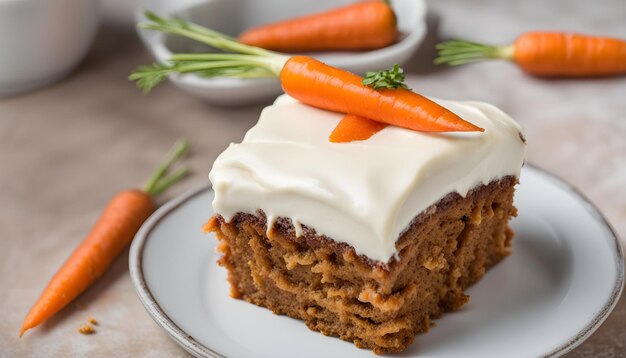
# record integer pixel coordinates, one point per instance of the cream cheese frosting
(363, 193)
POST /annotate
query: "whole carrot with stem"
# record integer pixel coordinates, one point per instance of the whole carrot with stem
(546, 54)
(378, 97)
(360, 26)
(114, 230)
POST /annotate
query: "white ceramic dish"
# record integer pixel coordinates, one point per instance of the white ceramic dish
(43, 40)
(563, 279)
(234, 16)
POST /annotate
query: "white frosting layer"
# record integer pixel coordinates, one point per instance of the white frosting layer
(361, 193)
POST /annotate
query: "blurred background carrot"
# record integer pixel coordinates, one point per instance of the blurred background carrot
(360, 26)
(546, 54)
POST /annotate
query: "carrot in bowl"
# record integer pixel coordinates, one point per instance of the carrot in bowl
(381, 96)
(546, 54)
(114, 230)
(360, 26)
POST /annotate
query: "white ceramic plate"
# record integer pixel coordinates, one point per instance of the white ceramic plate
(563, 279)
(234, 16)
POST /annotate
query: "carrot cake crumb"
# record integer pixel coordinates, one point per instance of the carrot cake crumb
(93, 321)
(86, 329)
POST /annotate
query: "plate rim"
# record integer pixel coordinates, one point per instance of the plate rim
(135, 267)
(197, 349)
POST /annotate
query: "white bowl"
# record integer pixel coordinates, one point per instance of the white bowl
(234, 16)
(42, 40)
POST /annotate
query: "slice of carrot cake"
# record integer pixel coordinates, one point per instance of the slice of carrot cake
(368, 240)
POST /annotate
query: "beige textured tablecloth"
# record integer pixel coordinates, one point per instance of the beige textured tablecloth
(66, 149)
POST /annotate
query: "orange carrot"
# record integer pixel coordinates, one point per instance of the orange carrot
(330, 88)
(352, 127)
(380, 96)
(547, 54)
(360, 26)
(113, 231)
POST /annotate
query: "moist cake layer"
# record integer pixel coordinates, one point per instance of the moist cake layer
(333, 290)
(366, 193)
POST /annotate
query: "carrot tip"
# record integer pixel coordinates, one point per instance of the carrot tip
(337, 140)
(472, 128)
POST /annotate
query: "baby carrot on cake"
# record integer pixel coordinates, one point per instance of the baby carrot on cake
(360, 26)
(113, 231)
(304, 78)
(323, 86)
(546, 54)
(353, 127)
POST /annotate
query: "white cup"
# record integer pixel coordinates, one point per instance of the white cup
(43, 40)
